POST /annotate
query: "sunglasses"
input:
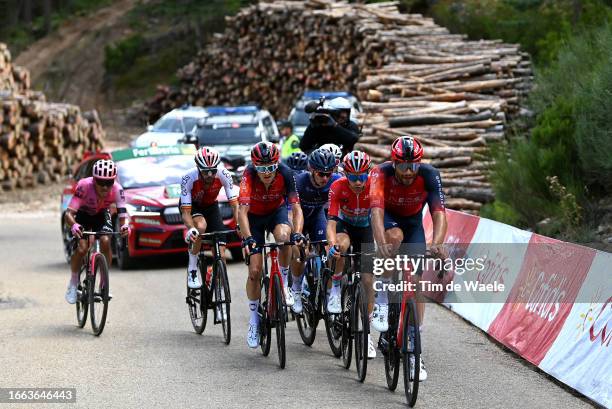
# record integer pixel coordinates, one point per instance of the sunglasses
(357, 177)
(105, 182)
(267, 168)
(208, 171)
(323, 174)
(404, 166)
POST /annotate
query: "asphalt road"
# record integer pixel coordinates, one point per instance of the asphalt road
(149, 356)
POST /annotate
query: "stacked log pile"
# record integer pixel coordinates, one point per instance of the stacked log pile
(39, 141)
(412, 76)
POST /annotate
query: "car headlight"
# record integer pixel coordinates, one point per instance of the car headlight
(142, 208)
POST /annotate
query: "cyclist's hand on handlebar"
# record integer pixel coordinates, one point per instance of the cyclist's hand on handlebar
(385, 250)
(77, 230)
(298, 238)
(438, 251)
(125, 230)
(192, 235)
(249, 244)
(334, 251)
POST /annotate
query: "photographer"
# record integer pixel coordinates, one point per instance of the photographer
(330, 123)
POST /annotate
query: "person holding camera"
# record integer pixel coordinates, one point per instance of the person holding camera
(330, 123)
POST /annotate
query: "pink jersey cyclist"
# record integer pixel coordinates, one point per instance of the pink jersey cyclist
(87, 201)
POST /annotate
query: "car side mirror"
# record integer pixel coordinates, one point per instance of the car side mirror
(149, 128)
(189, 138)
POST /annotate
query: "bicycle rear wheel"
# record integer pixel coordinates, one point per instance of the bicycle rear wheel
(362, 329)
(98, 294)
(392, 355)
(265, 331)
(333, 322)
(82, 304)
(307, 321)
(347, 325)
(280, 321)
(197, 302)
(222, 300)
(411, 350)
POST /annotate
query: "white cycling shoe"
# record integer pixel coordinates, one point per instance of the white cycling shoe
(378, 320)
(192, 279)
(333, 304)
(71, 294)
(422, 371)
(297, 302)
(253, 335)
(220, 311)
(371, 349)
(288, 296)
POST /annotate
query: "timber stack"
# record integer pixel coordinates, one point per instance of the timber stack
(413, 77)
(39, 141)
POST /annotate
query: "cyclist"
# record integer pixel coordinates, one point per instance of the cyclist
(349, 223)
(298, 161)
(400, 189)
(263, 189)
(199, 206)
(313, 188)
(89, 210)
(337, 152)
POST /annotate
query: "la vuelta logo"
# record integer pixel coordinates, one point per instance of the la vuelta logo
(600, 329)
(542, 295)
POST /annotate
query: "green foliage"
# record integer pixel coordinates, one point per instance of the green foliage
(120, 57)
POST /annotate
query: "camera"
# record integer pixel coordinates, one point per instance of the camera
(320, 113)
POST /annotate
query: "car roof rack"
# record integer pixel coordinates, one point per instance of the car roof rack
(232, 110)
(312, 94)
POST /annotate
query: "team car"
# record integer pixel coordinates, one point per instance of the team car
(171, 128)
(151, 179)
(301, 119)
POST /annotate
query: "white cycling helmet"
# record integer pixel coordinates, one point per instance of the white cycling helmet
(340, 103)
(104, 169)
(207, 158)
(334, 149)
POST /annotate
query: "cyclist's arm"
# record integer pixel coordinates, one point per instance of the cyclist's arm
(69, 217)
(186, 186)
(439, 227)
(298, 217)
(377, 200)
(75, 203)
(228, 186)
(435, 201)
(244, 201)
(120, 204)
(334, 207)
(243, 220)
(331, 232)
(186, 215)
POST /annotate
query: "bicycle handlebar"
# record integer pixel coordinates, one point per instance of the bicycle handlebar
(216, 233)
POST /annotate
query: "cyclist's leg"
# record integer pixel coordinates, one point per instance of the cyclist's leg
(414, 240)
(281, 230)
(257, 225)
(197, 215)
(106, 225)
(394, 235)
(214, 222)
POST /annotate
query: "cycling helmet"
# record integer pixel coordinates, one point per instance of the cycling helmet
(104, 169)
(322, 160)
(207, 158)
(406, 149)
(334, 149)
(297, 161)
(264, 153)
(356, 162)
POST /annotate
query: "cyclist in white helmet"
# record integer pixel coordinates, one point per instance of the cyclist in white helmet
(89, 210)
(337, 152)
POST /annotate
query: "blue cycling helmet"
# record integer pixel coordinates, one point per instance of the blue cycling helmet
(297, 161)
(322, 160)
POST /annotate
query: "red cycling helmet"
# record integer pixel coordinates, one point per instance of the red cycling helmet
(406, 149)
(265, 153)
(104, 169)
(356, 162)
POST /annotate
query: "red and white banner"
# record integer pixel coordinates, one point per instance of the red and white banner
(556, 309)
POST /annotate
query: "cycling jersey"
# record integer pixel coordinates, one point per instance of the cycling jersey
(348, 206)
(312, 198)
(401, 200)
(86, 199)
(262, 200)
(195, 193)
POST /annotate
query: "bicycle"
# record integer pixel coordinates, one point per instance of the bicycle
(401, 340)
(213, 294)
(93, 285)
(272, 307)
(354, 318)
(314, 294)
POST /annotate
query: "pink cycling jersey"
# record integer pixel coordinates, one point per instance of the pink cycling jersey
(86, 199)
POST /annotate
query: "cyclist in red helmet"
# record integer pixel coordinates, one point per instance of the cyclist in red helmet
(89, 210)
(264, 189)
(349, 223)
(199, 208)
(400, 190)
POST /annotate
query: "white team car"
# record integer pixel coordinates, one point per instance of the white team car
(170, 128)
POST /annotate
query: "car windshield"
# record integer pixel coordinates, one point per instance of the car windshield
(228, 134)
(300, 118)
(153, 170)
(174, 124)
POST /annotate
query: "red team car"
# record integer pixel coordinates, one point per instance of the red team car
(151, 178)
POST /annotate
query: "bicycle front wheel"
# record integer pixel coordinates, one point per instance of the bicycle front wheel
(307, 321)
(280, 321)
(98, 294)
(265, 331)
(82, 304)
(347, 325)
(362, 329)
(222, 301)
(411, 350)
(197, 301)
(392, 355)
